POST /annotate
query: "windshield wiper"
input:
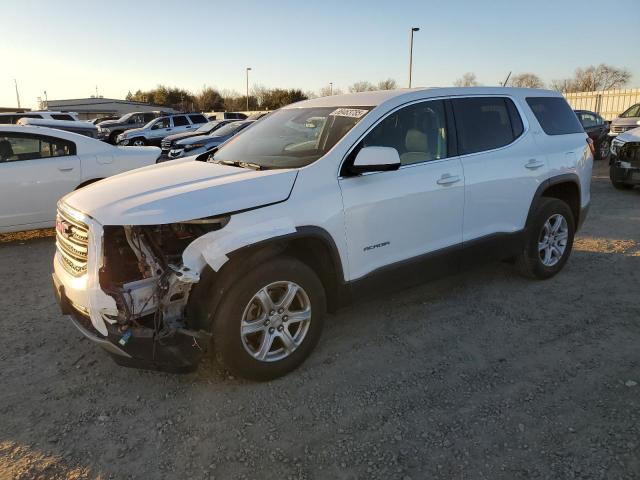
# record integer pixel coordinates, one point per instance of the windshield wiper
(235, 163)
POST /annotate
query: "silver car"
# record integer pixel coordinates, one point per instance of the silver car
(627, 120)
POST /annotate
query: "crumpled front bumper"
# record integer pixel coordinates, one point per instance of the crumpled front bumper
(138, 347)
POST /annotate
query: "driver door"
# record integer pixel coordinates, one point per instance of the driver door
(399, 216)
(160, 129)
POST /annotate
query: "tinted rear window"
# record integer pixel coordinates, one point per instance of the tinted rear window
(485, 123)
(197, 119)
(555, 115)
(180, 121)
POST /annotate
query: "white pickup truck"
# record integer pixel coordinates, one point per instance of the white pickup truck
(38, 165)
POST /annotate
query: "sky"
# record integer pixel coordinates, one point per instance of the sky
(69, 47)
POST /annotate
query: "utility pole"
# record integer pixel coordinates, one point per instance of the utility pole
(46, 100)
(413, 29)
(330, 88)
(17, 94)
(248, 68)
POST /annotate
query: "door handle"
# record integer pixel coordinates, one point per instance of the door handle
(534, 164)
(65, 169)
(448, 179)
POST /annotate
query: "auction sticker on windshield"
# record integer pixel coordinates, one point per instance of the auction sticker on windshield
(349, 112)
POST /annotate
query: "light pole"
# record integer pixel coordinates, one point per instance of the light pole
(413, 29)
(248, 68)
(330, 88)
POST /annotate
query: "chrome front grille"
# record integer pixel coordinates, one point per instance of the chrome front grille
(166, 144)
(72, 242)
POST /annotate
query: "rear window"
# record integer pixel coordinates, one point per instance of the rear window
(485, 123)
(61, 116)
(180, 121)
(555, 115)
(197, 119)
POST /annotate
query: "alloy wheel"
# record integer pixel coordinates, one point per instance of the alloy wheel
(138, 143)
(553, 239)
(275, 322)
(603, 149)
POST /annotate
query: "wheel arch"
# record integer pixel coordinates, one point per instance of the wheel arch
(311, 245)
(88, 182)
(565, 187)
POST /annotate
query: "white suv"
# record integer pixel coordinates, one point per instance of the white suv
(154, 131)
(321, 202)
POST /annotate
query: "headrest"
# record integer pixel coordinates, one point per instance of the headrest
(415, 141)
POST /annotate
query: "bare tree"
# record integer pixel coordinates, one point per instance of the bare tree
(388, 84)
(526, 80)
(593, 78)
(467, 80)
(327, 91)
(259, 92)
(362, 86)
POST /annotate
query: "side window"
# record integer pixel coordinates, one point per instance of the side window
(588, 120)
(197, 119)
(418, 132)
(61, 116)
(180, 121)
(162, 123)
(30, 147)
(148, 117)
(484, 123)
(554, 115)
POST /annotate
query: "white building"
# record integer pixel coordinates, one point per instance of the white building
(93, 107)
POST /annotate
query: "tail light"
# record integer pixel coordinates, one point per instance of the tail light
(592, 147)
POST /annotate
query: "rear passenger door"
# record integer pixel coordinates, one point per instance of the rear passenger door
(181, 124)
(415, 210)
(502, 166)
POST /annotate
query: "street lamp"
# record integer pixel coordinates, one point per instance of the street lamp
(413, 29)
(330, 88)
(248, 68)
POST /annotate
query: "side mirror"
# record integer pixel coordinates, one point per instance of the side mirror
(376, 159)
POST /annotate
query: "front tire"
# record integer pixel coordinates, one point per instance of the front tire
(616, 184)
(603, 149)
(270, 320)
(548, 240)
(139, 142)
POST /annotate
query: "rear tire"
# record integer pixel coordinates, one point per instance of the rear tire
(548, 240)
(113, 137)
(616, 184)
(256, 334)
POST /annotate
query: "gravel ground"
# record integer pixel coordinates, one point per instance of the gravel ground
(479, 375)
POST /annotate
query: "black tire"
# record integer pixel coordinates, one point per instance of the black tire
(603, 149)
(616, 184)
(142, 140)
(113, 137)
(529, 262)
(228, 341)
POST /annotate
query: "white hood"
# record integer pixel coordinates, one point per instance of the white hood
(179, 190)
(630, 135)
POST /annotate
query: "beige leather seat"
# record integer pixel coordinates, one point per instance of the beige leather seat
(417, 148)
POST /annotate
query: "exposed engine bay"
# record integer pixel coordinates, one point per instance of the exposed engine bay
(143, 271)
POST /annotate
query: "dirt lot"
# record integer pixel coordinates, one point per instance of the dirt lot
(481, 375)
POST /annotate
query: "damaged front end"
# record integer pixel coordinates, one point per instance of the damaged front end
(143, 271)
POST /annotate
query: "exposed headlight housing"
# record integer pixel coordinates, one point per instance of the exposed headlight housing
(104, 130)
(194, 146)
(615, 146)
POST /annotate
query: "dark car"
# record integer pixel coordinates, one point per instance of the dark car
(204, 143)
(598, 130)
(206, 129)
(624, 170)
(109, 130)
(227, 116)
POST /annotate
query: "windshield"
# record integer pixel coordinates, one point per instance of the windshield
(229, 129)
(207, 127)
(292, 137)
(634, 111)
(125, 117)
